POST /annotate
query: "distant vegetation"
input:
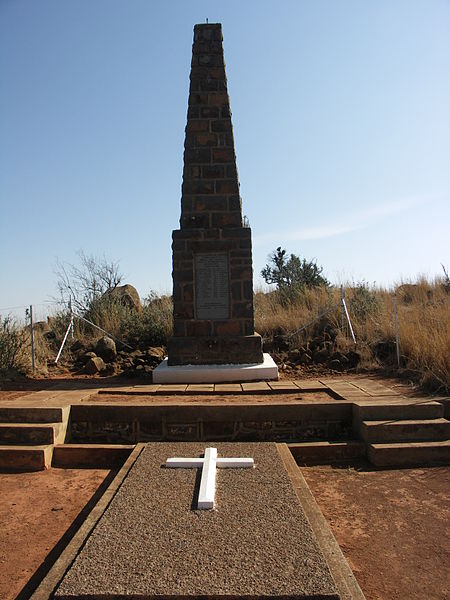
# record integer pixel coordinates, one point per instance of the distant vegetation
(300, 296)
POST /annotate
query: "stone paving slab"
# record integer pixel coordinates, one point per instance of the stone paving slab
(151, 542)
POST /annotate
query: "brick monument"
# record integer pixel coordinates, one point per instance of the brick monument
(212, 250)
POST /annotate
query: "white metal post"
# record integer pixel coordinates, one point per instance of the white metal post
(71, 316)
(348, 320)
(343, 309)
(32, 337)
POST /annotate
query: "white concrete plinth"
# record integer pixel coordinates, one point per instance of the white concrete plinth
(266, 370)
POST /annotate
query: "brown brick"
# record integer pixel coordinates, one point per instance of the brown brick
(242, 310)
(198, 186)
(202, 203)
(215, 59)
(213, 172)
(197, 155)
(205, 85)
(193, 112)
(234, 203)
(222, 155)
(191, 171)
(183, 276)
(225, 140)
(195, 220)
(216, 99)
(211, 47)
(227, 186)
(205, 139)
(209, 112)
(188, 293)
(249, 327)
(221, 126)
(183, 311)
(198, 125)
(197, 98)
(248, 290)
(227, 328)
(178, 245)
(198, 328)
(241, 273)
(179, 328)
(180, 234)
(211, 246)
(226, 219)
(236, 290)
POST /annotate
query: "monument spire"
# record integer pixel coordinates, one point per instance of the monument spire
(212, 255)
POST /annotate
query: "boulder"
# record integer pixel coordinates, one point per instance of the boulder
(127, 295)
(106, 349)
(353, 358)
(41, 327)
(94, 365)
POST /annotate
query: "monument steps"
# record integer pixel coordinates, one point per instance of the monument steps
(26, 458)
(405, 430)
(376, 411)
(28, 435)
(91, 455)
(25, 414)
(323, 453)
(409, 454)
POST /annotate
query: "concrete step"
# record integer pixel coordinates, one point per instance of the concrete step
(446, 404)
(409, 454)
(90, 455)
(308, 453)
(405, 430)
(27, 414)
(374, 411)
(30, 434)
(25, 458)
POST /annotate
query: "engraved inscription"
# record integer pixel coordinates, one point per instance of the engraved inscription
(212, 298)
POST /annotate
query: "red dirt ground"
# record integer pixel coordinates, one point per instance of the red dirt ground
(392, 526)
(36, 510)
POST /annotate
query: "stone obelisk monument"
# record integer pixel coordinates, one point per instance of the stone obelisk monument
(212, 250)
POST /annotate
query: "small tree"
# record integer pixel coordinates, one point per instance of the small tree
(88, 281)
(292, 274)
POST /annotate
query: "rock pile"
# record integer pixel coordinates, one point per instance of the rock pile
(102, 357)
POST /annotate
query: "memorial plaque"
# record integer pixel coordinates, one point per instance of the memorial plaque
(212, 296)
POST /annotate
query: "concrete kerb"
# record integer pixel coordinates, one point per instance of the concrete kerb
(342, 574)
(56, 573)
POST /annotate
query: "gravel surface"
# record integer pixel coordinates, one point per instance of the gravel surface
(152, 542)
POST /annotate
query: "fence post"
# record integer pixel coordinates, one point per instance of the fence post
(343, 317)
(71, 316)
(32, 337)
(397, 337)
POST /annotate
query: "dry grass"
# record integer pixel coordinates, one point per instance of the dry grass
(423, 319)
(422, 315)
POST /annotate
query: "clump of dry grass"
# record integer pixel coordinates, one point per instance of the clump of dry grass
(422, 316)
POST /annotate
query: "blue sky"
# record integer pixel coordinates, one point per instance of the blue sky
(341, 114)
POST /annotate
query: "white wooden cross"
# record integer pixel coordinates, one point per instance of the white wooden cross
(208, 465)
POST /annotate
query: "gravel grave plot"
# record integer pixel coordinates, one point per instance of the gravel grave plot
(152, 542)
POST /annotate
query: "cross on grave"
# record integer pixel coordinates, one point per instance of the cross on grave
(208, 465)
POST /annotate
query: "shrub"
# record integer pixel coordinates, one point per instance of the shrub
(13, 346)
(292, 275)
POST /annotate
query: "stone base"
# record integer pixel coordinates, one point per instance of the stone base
(215, 373)
(212, 350)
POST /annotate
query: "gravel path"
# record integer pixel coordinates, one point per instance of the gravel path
(152, 542)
